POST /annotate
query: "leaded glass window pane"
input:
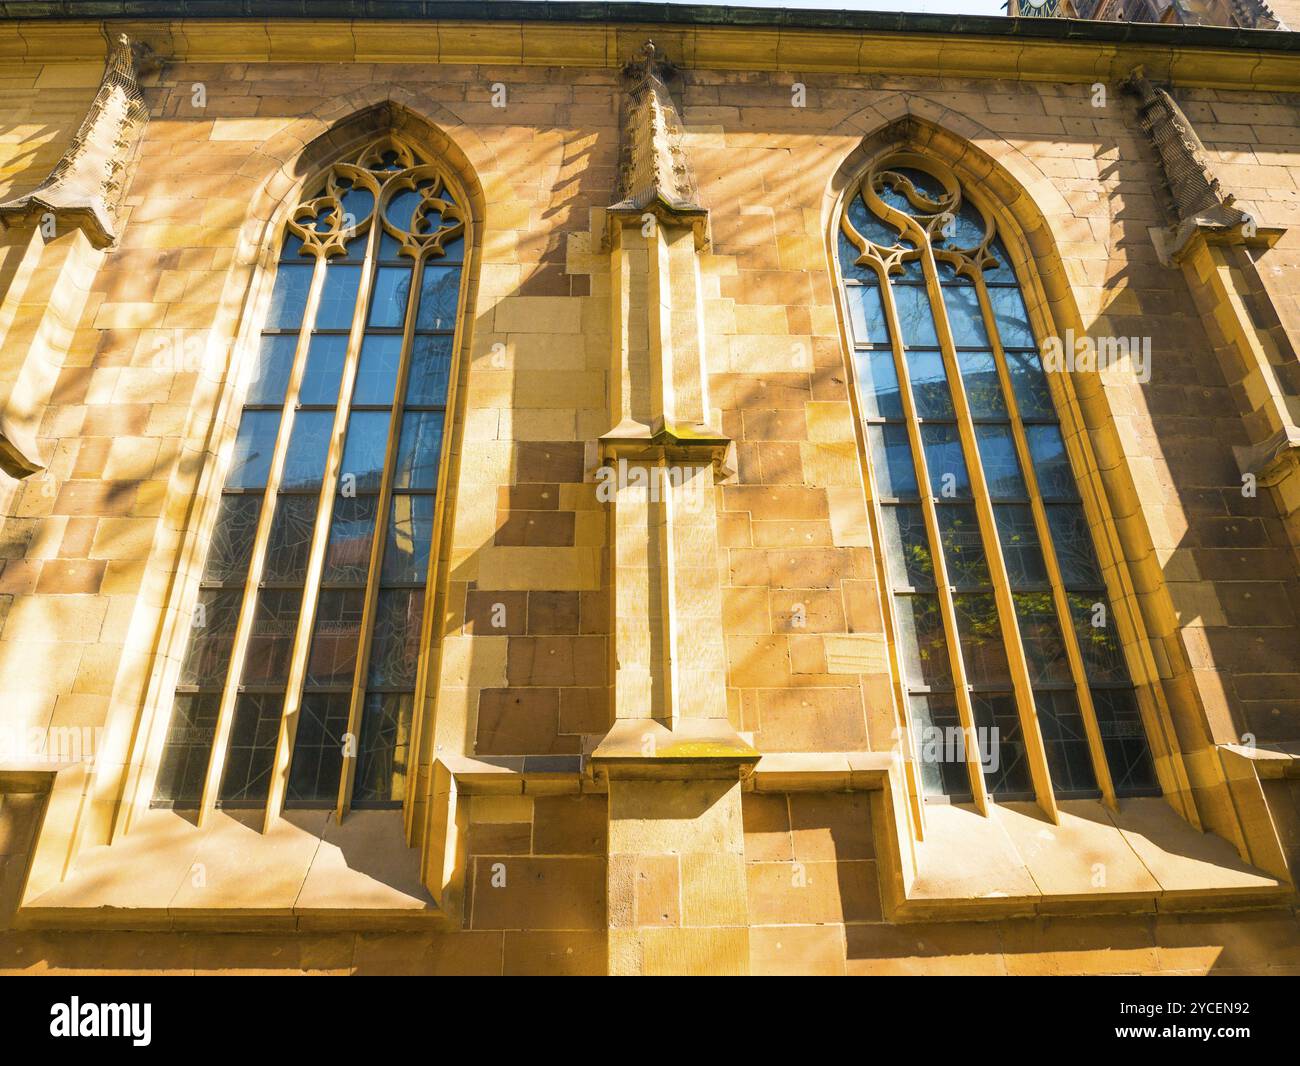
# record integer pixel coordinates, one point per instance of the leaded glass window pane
(253, 450)
(891, 454)
(1006, 435)
(867, 313)
(907, 546)
(929, 384)
(232, 540)
(300, 557)
(879, 379)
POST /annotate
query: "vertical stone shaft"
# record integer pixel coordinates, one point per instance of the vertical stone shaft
(676, 884)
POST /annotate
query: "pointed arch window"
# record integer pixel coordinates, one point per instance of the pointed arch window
(298, 684)
(1003, 626)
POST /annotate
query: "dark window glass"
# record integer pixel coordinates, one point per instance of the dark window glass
(254, 730)
(392, 291)
(418, 450)
(940, 745)
(1001, 746)
(1009, 314)
(1068, 759)
(868, 314)
(1021, 551)
(333, 656)
(357, 202)
(254, 446)
(1001, 466)
(1051, 463)
(1073, 543)
(232, 539)
(352, 529)
(324, 371)
(891, 457)
(309, 442)
(185, 755)
(439, 294)
(944, 461)
(318, 748)
(270, 642)
(880, 396)
(453, 250)
(848, 261)
(1033, 397)
(907, 547)
(922, 644)
(929, 384)
(382, 756)
(290, 540)
(401, 209)
(338, 298)
(866, 223)
(982, 649)
(1103, 659)
(966, 230)
(430, 370)
(271, 371)
(377, 371)
(1125, 743)
(395, 644)
(289, 295)
(363, 451)
(979, 375)
(212, 632)
(964, 316)
(410, 529)
(914, 318)
(1041, 636)
(963, 548)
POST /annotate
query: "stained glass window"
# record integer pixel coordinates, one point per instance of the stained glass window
(304, 648)
(1005, 634)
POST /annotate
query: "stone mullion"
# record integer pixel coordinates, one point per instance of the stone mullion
(420, 794)
(889, 615)
(942, 585)
(320, 536)
(257, 557)
(1060, 602)
(1035, 750)
(383, 504)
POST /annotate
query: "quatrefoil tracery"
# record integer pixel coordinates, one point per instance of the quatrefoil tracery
(413, 200)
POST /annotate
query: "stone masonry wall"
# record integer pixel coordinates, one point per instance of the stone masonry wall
(90, 547)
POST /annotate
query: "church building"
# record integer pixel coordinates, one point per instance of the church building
(614, 488)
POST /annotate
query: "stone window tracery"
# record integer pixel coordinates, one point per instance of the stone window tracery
(1003, 625)
(298, 685)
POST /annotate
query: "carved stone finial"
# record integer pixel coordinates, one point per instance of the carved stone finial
(1197, 199)
(655, 173)
(85, 186)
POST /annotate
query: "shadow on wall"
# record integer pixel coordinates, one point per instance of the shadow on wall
(1231, 574)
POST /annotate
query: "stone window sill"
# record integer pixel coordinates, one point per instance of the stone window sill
(308, 872)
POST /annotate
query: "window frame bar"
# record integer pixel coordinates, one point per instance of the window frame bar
(943, 587)
(252, 580)
(356, 705)
(328, 491)
(1008, 623)
(1042, 528)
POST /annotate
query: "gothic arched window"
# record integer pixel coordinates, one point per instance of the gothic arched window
(305, 642)
(1016, 681)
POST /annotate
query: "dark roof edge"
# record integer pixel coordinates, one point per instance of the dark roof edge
(1048, 29)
